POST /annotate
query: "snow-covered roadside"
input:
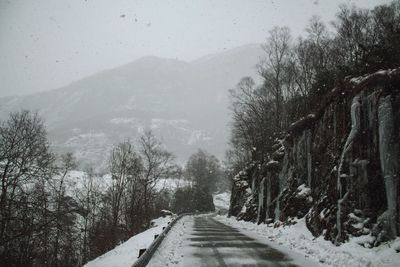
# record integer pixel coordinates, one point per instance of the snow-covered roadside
(169, 253)
(125, 254)
(299, 239)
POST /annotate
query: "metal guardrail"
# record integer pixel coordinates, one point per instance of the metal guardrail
(146, 256)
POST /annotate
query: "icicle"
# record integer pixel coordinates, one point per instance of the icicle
(260, 200)
(284, 173)
(277, 211)
(388, 153)
(309, 158)
(355, 128)
(283, 179)
(268, 196)
(253, 183)
(334, 123)
(361, 165)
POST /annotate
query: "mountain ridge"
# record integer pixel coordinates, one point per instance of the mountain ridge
(173, 98)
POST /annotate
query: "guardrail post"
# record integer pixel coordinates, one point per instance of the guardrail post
(147, 254)
(141, 251)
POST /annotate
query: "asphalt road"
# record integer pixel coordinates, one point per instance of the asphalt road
(212, 243)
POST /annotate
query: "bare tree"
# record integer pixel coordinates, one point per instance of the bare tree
(311, 55)
(89, 200)
(25, 165)
(252, 109)
(277, 69)
(124, 164)
(157, 164)
(61, 201)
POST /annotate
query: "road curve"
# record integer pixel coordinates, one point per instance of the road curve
(202, 240)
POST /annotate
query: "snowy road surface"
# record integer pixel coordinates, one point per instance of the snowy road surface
(208, 242)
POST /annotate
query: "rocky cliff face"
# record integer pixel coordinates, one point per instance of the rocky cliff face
(338, 167)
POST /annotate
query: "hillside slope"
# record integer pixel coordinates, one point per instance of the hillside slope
(175, 99)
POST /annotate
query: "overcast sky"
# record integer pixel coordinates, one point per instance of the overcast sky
(45, 44)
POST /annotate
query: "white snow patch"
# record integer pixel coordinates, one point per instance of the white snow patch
(96, 138)
(171, 184)
(197, 136)
(222, 200)
(303, 191)
(123, 121)
(157, 123)
(170, 251)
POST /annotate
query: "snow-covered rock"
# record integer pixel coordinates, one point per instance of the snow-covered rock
(340, 161)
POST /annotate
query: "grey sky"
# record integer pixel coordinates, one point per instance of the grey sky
(45, 44)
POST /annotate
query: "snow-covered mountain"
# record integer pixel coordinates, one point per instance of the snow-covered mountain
(184, 103)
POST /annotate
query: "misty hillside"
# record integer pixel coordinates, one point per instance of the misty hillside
(175, 99)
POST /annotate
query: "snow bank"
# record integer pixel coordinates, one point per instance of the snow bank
(126, 254)
(299, 239)
(170, 251)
